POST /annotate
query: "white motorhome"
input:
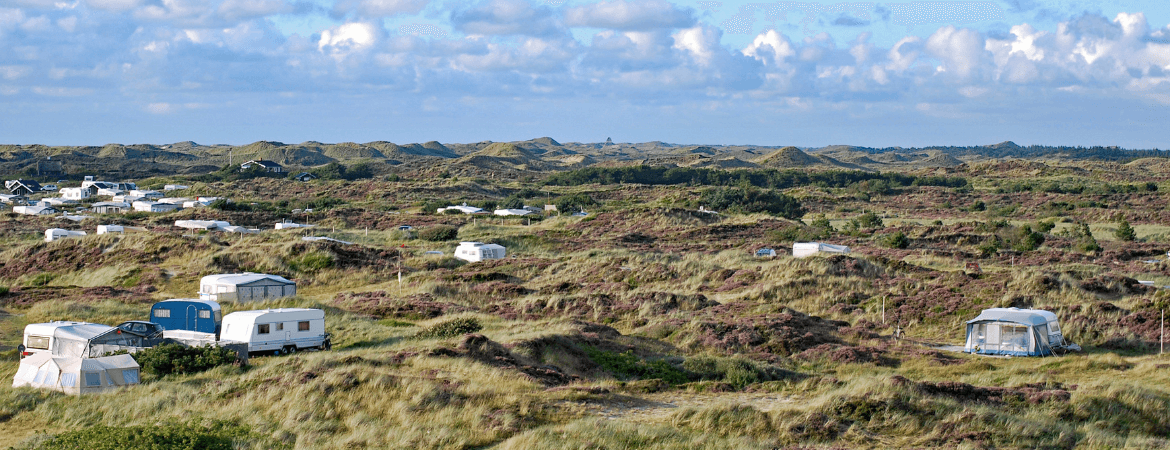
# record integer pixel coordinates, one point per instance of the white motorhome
(284, 330)
(53, 234)
(478, 251)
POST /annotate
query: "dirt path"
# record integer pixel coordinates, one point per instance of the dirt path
(659, 407)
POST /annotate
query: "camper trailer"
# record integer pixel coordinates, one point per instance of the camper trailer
(278, 331)
(1014, 331)
(53, 234)
(76, 375)
(191, 314)
(245, 287)
(478, 251)
(802, 249)
(76, 339)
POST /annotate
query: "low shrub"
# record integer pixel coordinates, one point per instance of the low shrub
(438, 233)
(166, 359)
(451, 328)
(628, 365)
(218, 435)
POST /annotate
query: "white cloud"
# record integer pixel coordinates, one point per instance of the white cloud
(114, 5)
(961, 50)
(160, 108)
(701, 42)
(347, 38)
(507, 17)
(235, 10)
(770, 47)
(630, 15)
(378, 8)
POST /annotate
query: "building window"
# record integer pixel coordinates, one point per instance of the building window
(262, 328)
(162, 313)
(205, 314)
(93, 379)
(303, 326)
(38, 342)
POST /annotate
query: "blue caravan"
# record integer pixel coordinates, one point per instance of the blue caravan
(190, 314)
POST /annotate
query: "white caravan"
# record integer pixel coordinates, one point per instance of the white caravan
(284, 330)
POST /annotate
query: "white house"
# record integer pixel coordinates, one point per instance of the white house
(153, 195)
(174, 200)
(267, 166)
(802, 249)
(201, 224)
(109, 192)
(76, 375)
(245, 287)
(37, 210)
(513, 212)
(145, 206)
(240, 229)
(284, 330)
(111, 207)
(174, 187)
(288, 225)
(478, 251)
(75, 193)
(463, 209)
(53, 234)
(126, 198)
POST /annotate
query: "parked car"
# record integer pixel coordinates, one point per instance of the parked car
(49, 187)
(142, 328)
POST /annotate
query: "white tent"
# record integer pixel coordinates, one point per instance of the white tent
(245, 287)
(802, 249)
(75, 375)
(478, 251)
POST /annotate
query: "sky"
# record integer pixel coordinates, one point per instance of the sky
(878, 74)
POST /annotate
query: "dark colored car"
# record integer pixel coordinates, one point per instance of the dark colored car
(145, 329)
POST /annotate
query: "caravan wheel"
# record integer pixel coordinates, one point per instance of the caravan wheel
(290, 349)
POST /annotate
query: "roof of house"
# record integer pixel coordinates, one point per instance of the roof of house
(242, 278)
(30, 184)
(262, 163)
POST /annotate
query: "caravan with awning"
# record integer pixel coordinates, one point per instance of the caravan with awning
(1015, 332)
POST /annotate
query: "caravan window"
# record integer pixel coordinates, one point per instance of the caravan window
(205, 314)
(93, 379)
(262, 328)
(162, 313)
(303, 326)
(130, 376)
(38, 342)
(218, 316)
(69, 380)
(280, 326)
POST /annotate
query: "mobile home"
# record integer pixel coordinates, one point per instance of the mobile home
(279, 331)
(245, 287)
(478, 251)
(802, 249)
(53, 234)
(191, 314)
(76, 339)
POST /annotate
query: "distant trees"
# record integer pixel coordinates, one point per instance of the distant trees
(763, 178)
(751, 200)
(338, 171)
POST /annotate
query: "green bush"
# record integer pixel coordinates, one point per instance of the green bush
(896, 240)
(438, 233)
(752, 200)
(628, 365)
(451, 328)
(1124, 231)
(42, 279)
(166, 359)
(173, 436)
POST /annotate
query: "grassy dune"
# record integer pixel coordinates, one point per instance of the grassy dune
(642, 325)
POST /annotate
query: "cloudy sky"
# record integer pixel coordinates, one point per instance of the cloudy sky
(1054, 72)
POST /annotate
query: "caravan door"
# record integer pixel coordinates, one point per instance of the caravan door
(191, 321)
